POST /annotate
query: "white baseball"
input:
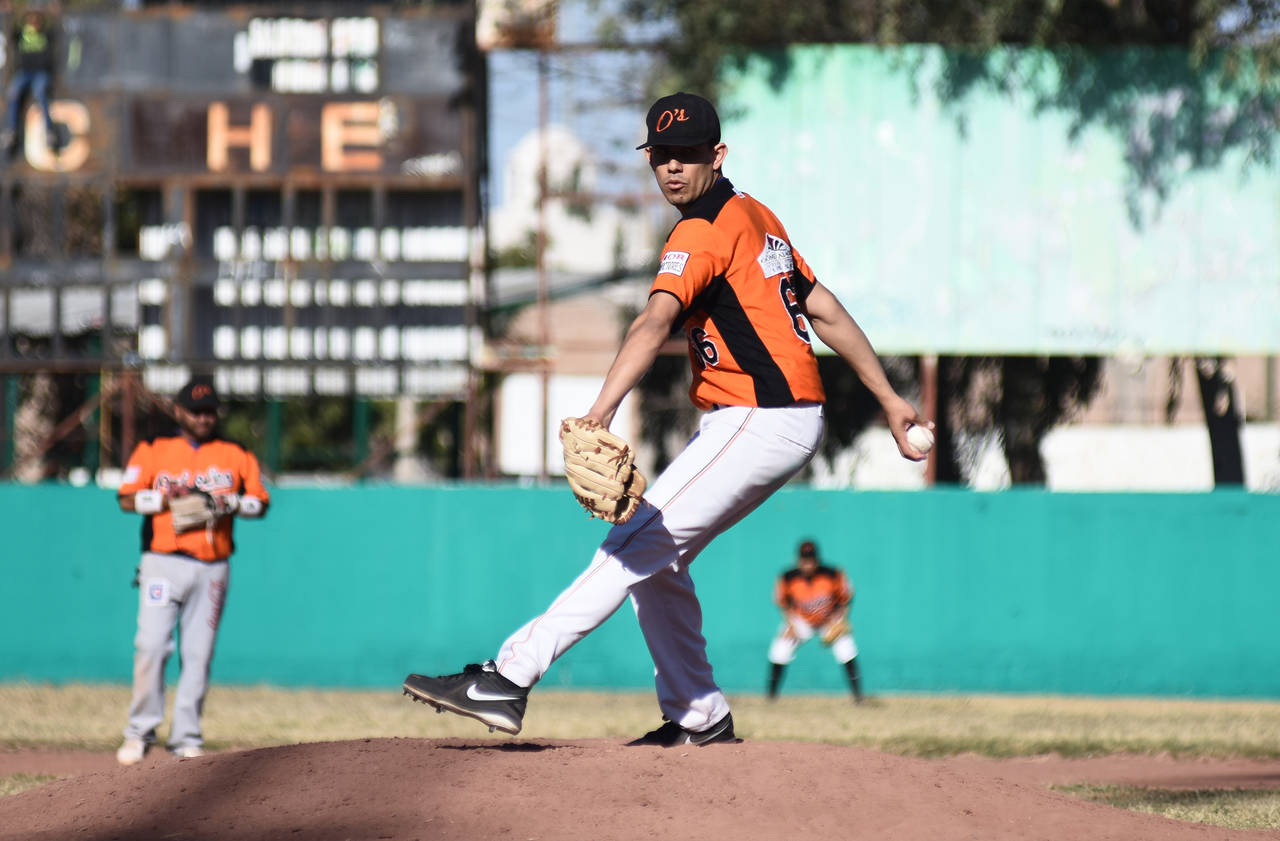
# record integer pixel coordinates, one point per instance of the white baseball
(920, 437)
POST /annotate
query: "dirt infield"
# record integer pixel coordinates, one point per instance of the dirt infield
(420, 789)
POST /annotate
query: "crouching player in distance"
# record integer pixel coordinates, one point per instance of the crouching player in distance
(815, 600)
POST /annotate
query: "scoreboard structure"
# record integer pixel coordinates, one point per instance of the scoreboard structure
(290, 202)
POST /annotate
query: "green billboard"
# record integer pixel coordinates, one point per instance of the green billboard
(994, 220)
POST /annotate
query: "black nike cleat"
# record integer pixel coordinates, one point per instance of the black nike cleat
(670, 735)
(479, 691)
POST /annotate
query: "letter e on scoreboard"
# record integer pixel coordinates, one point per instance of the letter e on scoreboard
(347, 124)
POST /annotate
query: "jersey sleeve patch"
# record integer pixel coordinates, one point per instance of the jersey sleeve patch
(673, 262)
(776, 257)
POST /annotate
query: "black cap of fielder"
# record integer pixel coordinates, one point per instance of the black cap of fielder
(198, 393)
(808, 549)
(682, 119)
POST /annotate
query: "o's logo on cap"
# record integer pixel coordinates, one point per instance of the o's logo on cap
(668, 117)
(201, 391)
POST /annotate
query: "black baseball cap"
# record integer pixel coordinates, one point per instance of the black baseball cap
(198, 393)
(681, 119)
(808, 549)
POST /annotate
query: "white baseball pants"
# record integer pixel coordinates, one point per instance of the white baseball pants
(795, 632)
(174, 592)
(737, 459)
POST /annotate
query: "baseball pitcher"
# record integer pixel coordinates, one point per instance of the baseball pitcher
(749, 305)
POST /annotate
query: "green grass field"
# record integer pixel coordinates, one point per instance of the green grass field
(85, 717)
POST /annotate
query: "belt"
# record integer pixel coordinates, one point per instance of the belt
(184, 556)
(797, 404)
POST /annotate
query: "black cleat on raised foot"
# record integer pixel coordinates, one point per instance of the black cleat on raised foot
(478, 691)
(670, 735)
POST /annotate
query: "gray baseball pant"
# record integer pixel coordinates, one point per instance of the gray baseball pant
(174, 591)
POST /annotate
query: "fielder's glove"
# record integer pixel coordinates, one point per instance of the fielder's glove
(198, 509)
(601, 470)
(835, 630)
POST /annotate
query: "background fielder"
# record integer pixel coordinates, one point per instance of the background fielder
(815, 599)
(747, 301)
(183, 577)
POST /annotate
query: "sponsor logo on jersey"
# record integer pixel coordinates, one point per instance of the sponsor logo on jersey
(673, 263)
(776, 257)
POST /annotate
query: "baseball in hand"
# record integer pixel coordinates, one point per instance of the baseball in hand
(920, 437)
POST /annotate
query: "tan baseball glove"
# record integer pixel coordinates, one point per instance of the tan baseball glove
(191, 511)
(835, 630)
(198, 509)
(600, 467)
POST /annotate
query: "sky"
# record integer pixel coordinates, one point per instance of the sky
(600, 96)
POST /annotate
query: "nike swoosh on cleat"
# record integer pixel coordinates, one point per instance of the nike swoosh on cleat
(477, 694)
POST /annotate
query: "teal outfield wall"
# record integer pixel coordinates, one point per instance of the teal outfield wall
(1016, 591)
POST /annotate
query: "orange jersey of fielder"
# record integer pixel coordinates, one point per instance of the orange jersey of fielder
(216, 467)
(813, 599)
(730, 264)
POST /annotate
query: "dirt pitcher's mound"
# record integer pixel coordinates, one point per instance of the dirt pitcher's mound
(406, 789)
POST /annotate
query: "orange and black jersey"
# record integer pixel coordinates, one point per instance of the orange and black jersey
(217, 467)
(814, 599)
(742, 288)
